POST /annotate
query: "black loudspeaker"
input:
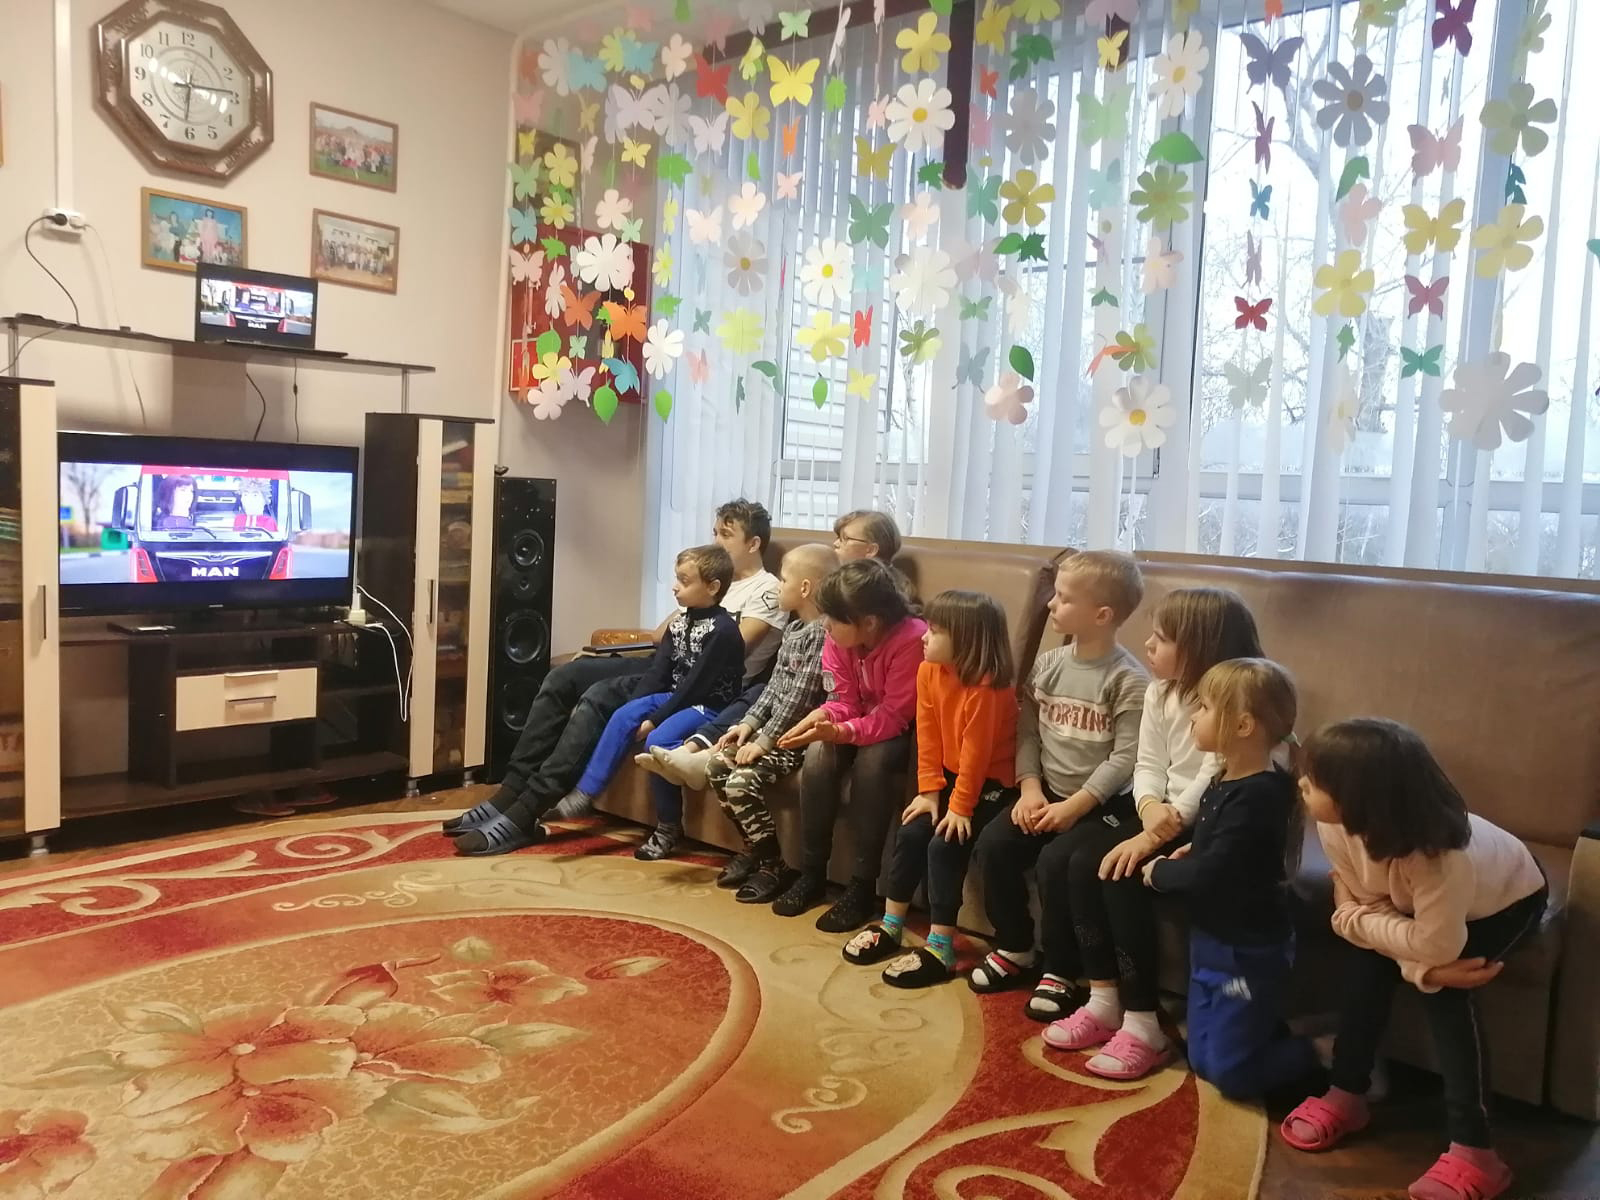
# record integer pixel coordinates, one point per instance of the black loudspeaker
(524, 575)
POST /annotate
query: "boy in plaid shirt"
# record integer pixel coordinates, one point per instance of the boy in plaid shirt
(748, 759)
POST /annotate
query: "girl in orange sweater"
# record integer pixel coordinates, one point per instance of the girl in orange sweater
(966, 773)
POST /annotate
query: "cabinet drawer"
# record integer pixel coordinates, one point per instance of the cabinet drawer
(251, 697)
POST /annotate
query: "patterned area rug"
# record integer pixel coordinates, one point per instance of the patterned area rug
(341, 1008)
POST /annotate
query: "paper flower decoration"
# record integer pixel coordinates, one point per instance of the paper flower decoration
(604, 262)
(1179, 73)
(554, 65)
(662, 349)
(1531, 38)
(746, 261)
(752, 120)
(1490, 398)
(547, 400)
(1516, 119)
(1346, 283)
(740, 331)
(1355, 101)
(1008, 399)
(560, 168)
(1376, 12)
(1344, 410)
(1444, 231)
(825, 276)
(552, 365)
(675, 56)
(1162, 196)
(1025, 198)
(704, 227)
(1248, 388)
(970, 260)
(825, 337)
(1136, 420)
(919, 115)
(921, 343)
(1503, 246)
(922, 45)
(746, 206)
(1160, 267)
(1029, 129)
(669, 113)
(923, 281)
(662, 268)
(1355, 211)
(555, 211)
(921, 215)
(612, 210)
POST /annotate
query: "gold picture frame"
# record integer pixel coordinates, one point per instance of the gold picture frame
(177, 231)
(355, 252)
(343, 143)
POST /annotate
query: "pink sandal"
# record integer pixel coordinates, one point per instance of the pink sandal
(1135, 1057)
(1332, 1125)
(1080, 1031)
(1454, 1176)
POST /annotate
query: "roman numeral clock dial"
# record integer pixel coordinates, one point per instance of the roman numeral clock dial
(184, 85)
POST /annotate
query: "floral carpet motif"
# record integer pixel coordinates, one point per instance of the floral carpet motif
(341, 1008)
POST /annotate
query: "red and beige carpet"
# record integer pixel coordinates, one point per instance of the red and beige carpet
(340, 1008)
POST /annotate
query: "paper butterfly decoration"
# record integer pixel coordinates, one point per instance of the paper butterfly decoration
(625, 373)
(626, 322)
(526, 268)
(699, 366)
(1112, 51)
(625, 111)
(971, 366)
(874, 164)
(1426, 362)
(709, 136)
(988, 82)
(528, 107)
(704, 227)
(1429, 296)
(795, 24)
(789, 185)
(525, 143)
(1270, 66)
(1431, 152)
(711, 81)
(1251, 314)
(976, 310)
(750, 64)
(1252, 260)
(635, 152)
(863, 327)
(632, 230)
(577, 312)
(869, 224)
(839, 32)
(1260, 200)
(1248, 386)
(1452, 24)
(586, 74)
(638, 56)
(1104, 120)
(524, 180)
(524, 226)
(797, 83)
(1263, 141)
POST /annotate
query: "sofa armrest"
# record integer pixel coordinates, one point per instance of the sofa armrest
(621, 637)
(1575, 1039)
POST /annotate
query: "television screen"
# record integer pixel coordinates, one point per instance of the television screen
(154, 524)
(254, 306)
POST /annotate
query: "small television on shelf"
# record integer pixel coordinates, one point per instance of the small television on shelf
(174, 524)
(258, 307)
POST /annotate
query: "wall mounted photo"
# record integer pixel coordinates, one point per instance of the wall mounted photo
(354, 252)
(355, 149)
(178, 231)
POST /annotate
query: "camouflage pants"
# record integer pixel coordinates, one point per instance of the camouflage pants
(739, 791)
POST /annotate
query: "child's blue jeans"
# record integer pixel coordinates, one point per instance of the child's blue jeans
(617, 740)
(1237, 1001)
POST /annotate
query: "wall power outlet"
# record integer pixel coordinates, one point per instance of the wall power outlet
(64, 222)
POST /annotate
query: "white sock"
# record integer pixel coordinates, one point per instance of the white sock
(1023, 958)
(1146, 1026)
(1104, 1006)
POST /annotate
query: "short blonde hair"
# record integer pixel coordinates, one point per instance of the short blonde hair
(1112, 578)
(812, 561)
(1257, 686)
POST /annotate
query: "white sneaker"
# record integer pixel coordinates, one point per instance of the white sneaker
(688, 764)
(661, 763)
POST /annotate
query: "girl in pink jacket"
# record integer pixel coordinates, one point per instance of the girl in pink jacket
(863, 734)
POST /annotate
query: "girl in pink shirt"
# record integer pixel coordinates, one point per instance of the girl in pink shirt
(1426, 892)
(861, 734)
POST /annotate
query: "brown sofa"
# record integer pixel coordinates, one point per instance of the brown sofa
(1504, 683)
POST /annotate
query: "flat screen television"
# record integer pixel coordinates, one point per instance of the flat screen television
(235, 305)
(172, 524)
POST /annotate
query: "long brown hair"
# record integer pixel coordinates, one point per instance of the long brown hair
(864, 588)
(1391, 792)
(1208, 625)
(977, 627)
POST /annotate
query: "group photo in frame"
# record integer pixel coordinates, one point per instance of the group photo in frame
(176, 232)
(354, 251)
(353, 148)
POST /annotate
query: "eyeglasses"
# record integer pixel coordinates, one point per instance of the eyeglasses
(839, 539)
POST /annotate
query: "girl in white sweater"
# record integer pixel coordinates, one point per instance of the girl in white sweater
(1194, 629)
(1426, 892)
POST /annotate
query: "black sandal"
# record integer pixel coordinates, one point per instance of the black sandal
(922, 968)
(881, 946)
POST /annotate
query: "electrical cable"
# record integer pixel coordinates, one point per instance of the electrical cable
(116, 315)
(296, 388)
(24, 346)
(28, 246)
(404, 688)
(403, 627)
(257, 434)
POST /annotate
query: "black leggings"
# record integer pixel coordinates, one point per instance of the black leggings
(1078, 936)
(920, 853)
(1370, 979)
(877, 791)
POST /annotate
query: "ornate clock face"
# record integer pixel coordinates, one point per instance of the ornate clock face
(185, 85)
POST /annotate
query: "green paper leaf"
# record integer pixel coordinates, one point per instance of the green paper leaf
(1032, 248)
(1177, 148)
(819, 392)
(1515, 178)
(553, 247)
(1594, 247)
(663, 402)
(667, 305)
(752, 166)
(549, 342)
(1010, 244)
(1346, 339)
(1103, 297)
(942, 7)
(1021, 362)
(605, 402)
(738, 394)
(770, 370)
(674, 168)
(931, 174)
(1355, 169)
(681, 11)
(835, 94)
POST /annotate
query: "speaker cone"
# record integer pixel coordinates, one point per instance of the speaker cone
(514, 700)
(527, 549)
(522, 586)
(524, 637)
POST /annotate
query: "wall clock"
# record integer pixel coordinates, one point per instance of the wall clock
(181, 81)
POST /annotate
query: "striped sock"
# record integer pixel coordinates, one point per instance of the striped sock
(942, 946)
(893, 926)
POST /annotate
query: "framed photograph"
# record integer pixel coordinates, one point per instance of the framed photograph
(355, 149)
(354, 252)
(177, 232)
